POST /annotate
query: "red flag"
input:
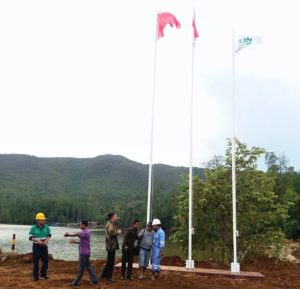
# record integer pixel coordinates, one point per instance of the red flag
(163, 20)
(196, 35)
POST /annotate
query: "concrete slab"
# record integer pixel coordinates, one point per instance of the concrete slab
(206, 272)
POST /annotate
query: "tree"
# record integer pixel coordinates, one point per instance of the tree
(258, 212)
(288, 191)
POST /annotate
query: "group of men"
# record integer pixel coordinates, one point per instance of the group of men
(151, 241)
(148, 242)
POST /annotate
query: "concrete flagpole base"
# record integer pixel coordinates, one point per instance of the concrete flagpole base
(235, 267)
(189, 264)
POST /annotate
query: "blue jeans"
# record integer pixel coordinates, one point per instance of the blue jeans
(84, 262)
(155, 259)
(144, 257)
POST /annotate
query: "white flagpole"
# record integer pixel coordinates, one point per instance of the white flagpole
(235, 266)
(150, 187)
(190, 262)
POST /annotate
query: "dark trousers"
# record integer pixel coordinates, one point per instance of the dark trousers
(127, 257)
(84, 262)
(109, 266)
(39, 252)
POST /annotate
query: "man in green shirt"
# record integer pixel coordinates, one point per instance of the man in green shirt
(40, 234)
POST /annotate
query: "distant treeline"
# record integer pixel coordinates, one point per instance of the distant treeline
(70, 189)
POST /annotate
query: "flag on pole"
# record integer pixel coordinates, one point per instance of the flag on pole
(164, 19)
(246, 41)
(196, 35)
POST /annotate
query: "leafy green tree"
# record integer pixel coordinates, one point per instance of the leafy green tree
(288, 191)
(258, 212)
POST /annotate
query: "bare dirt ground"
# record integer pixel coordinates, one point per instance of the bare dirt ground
(16, 270)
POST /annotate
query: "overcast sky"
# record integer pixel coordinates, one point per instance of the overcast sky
(76, 78)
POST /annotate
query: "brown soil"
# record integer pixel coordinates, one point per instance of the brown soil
(296, 253)
(15, 272)
(296, 250)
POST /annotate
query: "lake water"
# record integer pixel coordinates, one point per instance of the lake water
(59, 246)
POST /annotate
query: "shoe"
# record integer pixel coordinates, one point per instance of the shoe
(35, 278)
(122, 277)
(45, 277)
(111, 280)
(129, 277)
(94, 282)
(141, 276)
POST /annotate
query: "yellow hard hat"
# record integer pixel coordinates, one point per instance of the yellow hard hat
(40, 216)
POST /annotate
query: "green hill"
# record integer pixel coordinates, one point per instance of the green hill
(71, 189)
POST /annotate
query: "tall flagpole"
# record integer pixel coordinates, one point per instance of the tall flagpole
(190, 262)
(235, 266)
(150, 187)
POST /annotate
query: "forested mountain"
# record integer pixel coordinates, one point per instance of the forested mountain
(71, 189)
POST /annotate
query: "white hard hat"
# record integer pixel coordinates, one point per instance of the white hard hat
(156, 222)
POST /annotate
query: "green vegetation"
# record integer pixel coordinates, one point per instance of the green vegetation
(70, 189)
(267, 205)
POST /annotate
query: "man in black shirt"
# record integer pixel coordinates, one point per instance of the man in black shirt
(128, 249)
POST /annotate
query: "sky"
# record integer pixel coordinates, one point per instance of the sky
(77, 79)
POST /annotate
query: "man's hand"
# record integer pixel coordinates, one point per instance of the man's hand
(66, 234)
(40, 242)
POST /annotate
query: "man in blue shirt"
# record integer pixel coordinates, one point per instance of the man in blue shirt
(157, 249)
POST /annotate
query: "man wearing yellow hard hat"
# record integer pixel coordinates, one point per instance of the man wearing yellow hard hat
(40, 234)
